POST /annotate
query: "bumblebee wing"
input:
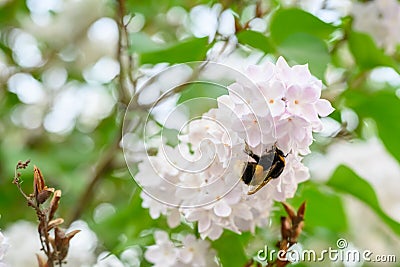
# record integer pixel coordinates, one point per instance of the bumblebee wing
(258, 176)
(267, 160)
(276, 168)
(256, 188)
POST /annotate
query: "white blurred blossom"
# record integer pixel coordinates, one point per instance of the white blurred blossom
(106, 259)
(203, 185)
(28, 89)
(25, 48)
(131, 256)
(82, 247)
(24, 243)
(206, 21)
(222, 49)
(102, 72)
(258, 24)
(187, 251)
(53, 32)
(327, 10)
(3, 247)
(82, 104)
(380, 19)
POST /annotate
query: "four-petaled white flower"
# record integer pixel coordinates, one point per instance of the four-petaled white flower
(163, 253)
(196, 252)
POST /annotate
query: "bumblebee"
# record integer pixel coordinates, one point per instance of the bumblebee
(266, 167)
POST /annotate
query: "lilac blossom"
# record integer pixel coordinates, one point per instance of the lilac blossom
(281, 106)
(186, 250)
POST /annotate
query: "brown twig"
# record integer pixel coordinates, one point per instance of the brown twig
(17, 181)
(125, 60)
(125, 81)
(56, 249)
(291, 228)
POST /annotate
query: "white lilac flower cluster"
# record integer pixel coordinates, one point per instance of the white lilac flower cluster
(380, 19)
(186, 251)
(218, 21)
(280, 106)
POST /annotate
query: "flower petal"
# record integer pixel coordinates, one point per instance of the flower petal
(294, 92)
(324, 107)
(282, 65)
(174, 218)
(276, 90)
(215, 232)
(253, 136)
(277, 107)
(244, 213)
(222, 209)
(185, 255)
(303, 74)
(226, 25)
(255, 72)
(311, 94)
(161, 236)
(204, 224)
(152, 254)
(309, 112)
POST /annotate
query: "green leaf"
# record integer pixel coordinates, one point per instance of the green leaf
(367, 54)
(345, 180)
(142, 43)
(202, 89)
(384, 108)
(324, 208)
(286, 22)
(230, 249)
(190, 50)
(10, 11)
(126, 221)
(201, 97)
(256, 40)
(305, 48)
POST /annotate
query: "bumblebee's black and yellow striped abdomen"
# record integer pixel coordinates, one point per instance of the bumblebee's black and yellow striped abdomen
(264, 168)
